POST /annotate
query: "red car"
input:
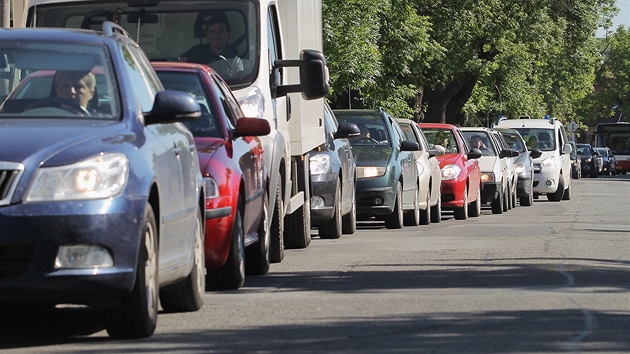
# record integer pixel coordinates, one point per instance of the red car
(461, 175)
(231, 161)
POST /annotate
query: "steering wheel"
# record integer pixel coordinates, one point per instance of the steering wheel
(66, 104)
(366, 140)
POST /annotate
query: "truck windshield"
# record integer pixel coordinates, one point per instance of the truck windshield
(173, 30)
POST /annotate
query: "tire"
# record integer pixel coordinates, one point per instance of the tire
(567, 193)
(349, 221)
(188, 295)
(474, 209)
(258, 255)
(506, 200)
(136, 317)
(412, 217)
(425, 215)
(395, 219)
(514, 198)
(332, 229)
(276, 229)
(436, 210)
(462, 213)
(231, 275)
(557, 195)
(297, 227)
(527, 200)
(497, 204)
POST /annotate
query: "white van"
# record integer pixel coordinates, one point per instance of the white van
(552, 170)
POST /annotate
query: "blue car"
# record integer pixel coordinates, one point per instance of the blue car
(101, 198)
(387, 174)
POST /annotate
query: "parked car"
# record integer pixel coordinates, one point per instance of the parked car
(387, 177)
(609, 163)
(429, 174)
(104, 210)
(552, 170)
(461, 174)
(576, 162)
(497, 168)
(511, 166)
(524, 165)
(333, 179)
(231, 162)
(591, 162)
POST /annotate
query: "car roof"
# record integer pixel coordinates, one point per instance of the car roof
(53, 35)
(527, 123)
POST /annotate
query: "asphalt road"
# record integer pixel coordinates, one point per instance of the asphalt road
(550, 278)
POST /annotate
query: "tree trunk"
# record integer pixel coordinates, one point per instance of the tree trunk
(444, 106)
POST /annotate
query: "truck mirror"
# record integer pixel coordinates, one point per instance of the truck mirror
(313, 75)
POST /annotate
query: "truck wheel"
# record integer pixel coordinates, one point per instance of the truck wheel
(395, 219)
(436, 210)
(231, 275)
(136, 317)
(349, 221)
(276, 229)
(332, 228)
(297, 227)
(188, 295)
(258, 255)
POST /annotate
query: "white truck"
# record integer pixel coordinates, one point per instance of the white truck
(282, 76)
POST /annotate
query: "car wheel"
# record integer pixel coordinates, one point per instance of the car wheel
(527, 200)
(136, 317)
(497, 203)
(258, 256)
(349, 221)
(188, 296)
(297, 227)
(436, 210)
(425, 215)
(276, 229)
(474, 209)
(462, 213)
(412, 217)
(332, 229)
(557, 195)
(567, 193)
(231, 275)
(395, 219)
(506, 200)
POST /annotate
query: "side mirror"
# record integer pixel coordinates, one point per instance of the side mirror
(437, 150)
(566, 149)
(474, 153)
(346, 130)
(173, 106)
(252, 127)
(535, 153)
(505, 153)
(409, 146)
(313, 75)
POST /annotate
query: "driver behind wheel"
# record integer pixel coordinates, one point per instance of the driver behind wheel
(75, 85)
(217, 52)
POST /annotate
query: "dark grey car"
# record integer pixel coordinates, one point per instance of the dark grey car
(333, 179)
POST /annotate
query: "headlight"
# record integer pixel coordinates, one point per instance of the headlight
(588, 160)
(253, 105)
(487, 177)
(548, 162)
(319, 164)
(450, 172)
(212, 188)
(370, 171)
(99, 177)
(519, 167)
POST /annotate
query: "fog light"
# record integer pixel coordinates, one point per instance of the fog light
(549, 183)
(317, 202)
(83, 256)
(378, 201)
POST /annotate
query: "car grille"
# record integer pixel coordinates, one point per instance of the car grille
(9, 177)
(14, 260)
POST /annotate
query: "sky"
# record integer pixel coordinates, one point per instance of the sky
(622, 18)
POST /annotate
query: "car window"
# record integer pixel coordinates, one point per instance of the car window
(407, 129)
(480, 140)
(143, 89)
(372, 127)
(233, 108)
(538, 138)
(514, 141)
(206, 125)
(331, 123)
(443, 137)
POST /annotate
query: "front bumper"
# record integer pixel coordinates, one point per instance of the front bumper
(323, 187)
(490, 191)
(545, 179)
(31, 236)
(376, 196)
(453, 193)
(219, 224)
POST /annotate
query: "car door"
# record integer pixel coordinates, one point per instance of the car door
(407, 164)
(565, 158)
(472, 168)
(344, 152)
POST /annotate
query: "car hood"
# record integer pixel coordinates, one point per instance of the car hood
(489, 163)
(41, 140)
(449, 159)
(207, 148)
(371, 155)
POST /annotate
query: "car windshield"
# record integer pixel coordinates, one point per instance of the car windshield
(206, 125)
(538, 138)
(480, 140)
(443, 137)
(515, 141)
(172, 31)
(50, 80)
(584, 150)
(372, 127)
